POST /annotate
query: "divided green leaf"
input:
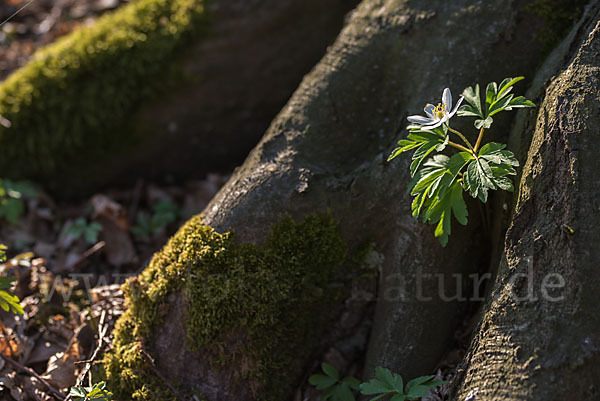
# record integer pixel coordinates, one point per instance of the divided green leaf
(438, 192)
(12, 193)
(10, 302)
(96, 392)
(497, 99)
(438, 180)
(81, 228)
(473, 108)
(424, 141)
(490, 171)
(333, 388)
(387, 383)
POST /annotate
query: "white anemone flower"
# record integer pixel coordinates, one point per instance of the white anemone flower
(437, 115)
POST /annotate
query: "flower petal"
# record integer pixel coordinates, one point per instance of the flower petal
(455, 109)
(429, 110)
(421, 120)
(447, 99)
(440, 122)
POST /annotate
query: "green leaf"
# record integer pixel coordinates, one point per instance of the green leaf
(419, 387)
(424, 140)
(330, 371)
(499, 105)
(472, 97)
(487, 123)
(399, 397)
(91, 232)
(322, 382)
(343, 393)
(519, 102)
(494, 153)
(421, 154)
(385, 376)
(19, 189)
(437, 189)
(439, 172)
(479, 179)
(11, 209)
(77, 392)
(497, 99)
(96, 392)
(504, 183)
(418, 380)
(7, 282)
(490, 94)
(404, 146)
(10, 302)
(352, 382)
(417, 392)
(387, 383)
(328, 394)
(506, 86)
(440, 147)
(459, 207)
(374, 387)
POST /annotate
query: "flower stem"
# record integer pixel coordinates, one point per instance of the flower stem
(458, 146)
(478, 139)
(470, 150)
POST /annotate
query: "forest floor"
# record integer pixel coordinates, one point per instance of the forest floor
(70, 259)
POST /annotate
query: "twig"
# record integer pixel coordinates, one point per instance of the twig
(33, 373)
(84, 257)
(160, 376)
(15, 13)
(101, 334)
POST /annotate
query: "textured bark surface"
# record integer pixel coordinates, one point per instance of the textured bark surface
(326, 150)
(236, 81)
(545, 346)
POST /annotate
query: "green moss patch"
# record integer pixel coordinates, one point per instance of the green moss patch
(275, 301)
(73, 99)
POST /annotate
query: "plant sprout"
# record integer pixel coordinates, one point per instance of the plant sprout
(439, 181)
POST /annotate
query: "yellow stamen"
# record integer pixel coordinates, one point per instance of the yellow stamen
(440, 110)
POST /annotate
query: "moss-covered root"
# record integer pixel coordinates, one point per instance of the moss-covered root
(72, 100)
(274, 301)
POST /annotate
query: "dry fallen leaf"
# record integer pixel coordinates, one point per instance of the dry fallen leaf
(119, 248)
(8, 347)
(43, 351)
(62, 371)
(110, 210)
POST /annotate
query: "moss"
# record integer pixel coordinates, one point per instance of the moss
(558, 16)
(72, 101)
(274, 298)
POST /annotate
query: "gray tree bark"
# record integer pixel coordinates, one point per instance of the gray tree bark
(539, 334)
(326, 151)
(237, 81)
